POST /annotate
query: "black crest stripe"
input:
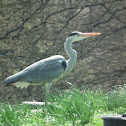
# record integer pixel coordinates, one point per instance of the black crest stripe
(72, 34)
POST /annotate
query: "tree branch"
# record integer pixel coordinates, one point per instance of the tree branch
(17, 28)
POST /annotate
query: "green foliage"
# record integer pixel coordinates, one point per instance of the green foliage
(73, 105)
(70, 107)
(12, 114)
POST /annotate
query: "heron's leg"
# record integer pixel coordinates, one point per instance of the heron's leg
(48, 85)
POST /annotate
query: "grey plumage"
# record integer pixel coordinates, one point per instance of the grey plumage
(50, 69)
(43, 71)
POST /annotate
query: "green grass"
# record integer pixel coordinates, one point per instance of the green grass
(67, 108)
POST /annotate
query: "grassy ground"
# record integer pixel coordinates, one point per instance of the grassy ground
(67, 108)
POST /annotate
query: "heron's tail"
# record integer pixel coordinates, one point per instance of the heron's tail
(18, 79)
(8, 81)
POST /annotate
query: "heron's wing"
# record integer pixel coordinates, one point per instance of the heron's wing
(43, 71)
(47, 71)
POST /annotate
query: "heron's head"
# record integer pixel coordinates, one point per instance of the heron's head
(76, 36)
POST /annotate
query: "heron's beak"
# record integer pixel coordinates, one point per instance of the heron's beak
(90, 34)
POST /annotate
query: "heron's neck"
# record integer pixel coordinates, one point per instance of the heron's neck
(72, 55)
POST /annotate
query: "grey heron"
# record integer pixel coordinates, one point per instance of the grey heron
(51, 69)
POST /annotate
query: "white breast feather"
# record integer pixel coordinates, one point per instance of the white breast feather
(21, 84)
